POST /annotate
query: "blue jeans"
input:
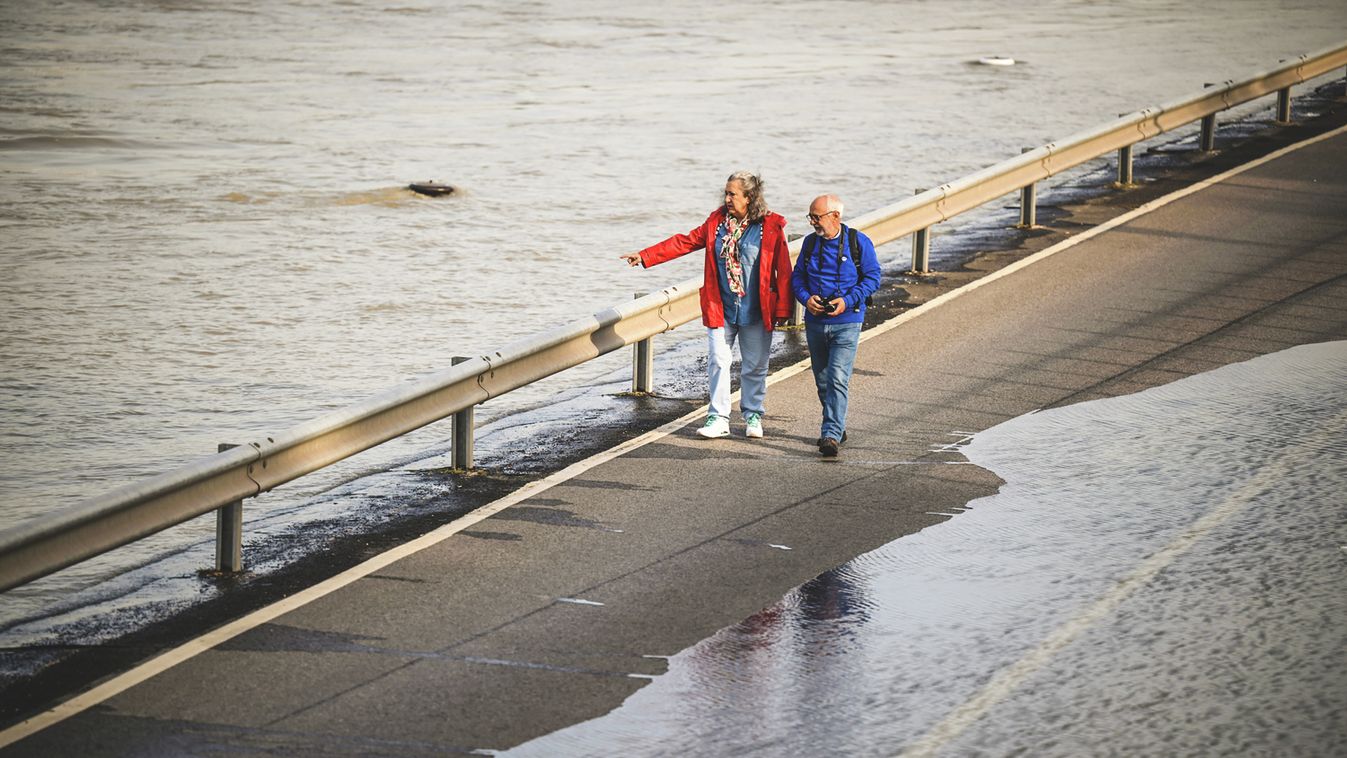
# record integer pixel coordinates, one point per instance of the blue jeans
(755, 349)
(832, 351)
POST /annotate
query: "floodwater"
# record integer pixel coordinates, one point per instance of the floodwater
(1163, 573)
(206, 236)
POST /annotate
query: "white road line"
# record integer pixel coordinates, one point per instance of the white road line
(578, 601)
(192, 648)
(1007, 679)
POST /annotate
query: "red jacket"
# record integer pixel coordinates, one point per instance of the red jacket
(774, 293)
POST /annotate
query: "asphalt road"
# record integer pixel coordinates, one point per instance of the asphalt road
(556, 608)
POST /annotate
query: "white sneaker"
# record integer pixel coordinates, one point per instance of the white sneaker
(715, 426)
(753, 425)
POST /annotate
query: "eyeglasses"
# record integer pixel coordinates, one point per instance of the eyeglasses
(814, 218)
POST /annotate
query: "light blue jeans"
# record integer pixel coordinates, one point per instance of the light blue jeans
(832, 351)
(755, 350)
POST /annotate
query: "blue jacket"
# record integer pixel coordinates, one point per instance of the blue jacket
(831, 274)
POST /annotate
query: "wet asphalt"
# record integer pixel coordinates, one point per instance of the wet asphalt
(554, 610)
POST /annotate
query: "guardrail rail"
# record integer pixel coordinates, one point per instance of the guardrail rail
(219, 482)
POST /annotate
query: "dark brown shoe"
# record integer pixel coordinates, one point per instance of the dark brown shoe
(828, 446)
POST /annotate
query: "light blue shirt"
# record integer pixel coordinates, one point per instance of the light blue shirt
(745, 309)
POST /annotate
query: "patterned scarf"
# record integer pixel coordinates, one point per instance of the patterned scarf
(729, 251)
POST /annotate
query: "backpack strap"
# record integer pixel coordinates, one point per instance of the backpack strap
(852, 242)
(856, 259)
(809, 249)
(855, 251)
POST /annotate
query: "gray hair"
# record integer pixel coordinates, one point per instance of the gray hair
(752, 184)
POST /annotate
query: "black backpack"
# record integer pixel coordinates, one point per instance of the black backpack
(855, 245)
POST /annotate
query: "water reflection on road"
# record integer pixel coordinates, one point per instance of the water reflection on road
(1162, 573)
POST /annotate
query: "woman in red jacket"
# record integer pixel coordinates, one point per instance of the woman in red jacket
(746, 290)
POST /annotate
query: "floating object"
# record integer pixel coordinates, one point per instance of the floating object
(431, 188)
(996, 60)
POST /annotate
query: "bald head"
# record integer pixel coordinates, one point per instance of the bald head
(826, 203)
(825, 215)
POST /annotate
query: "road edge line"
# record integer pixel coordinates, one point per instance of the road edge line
(190, 649)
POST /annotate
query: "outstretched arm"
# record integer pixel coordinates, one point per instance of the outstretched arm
(673, 247)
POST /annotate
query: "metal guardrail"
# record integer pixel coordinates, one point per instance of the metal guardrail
(52, 542)
(948, 200)
(49, 543)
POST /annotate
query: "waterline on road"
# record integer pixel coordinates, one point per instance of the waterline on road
(1101, 581)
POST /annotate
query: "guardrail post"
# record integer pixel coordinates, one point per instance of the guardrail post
(921, 245)
(229, 531)
(1283, 102)
(1028, 201)
(1208, 140)
(642, 362)
(1208, 133)
(1284, 105)
(1124, 163)
(1125, 166)
(462, 429)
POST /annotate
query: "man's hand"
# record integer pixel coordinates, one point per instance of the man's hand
(815, 305)
(632, 259)
(836, 306)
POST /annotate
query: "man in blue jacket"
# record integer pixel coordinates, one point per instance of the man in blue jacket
(834, 276)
